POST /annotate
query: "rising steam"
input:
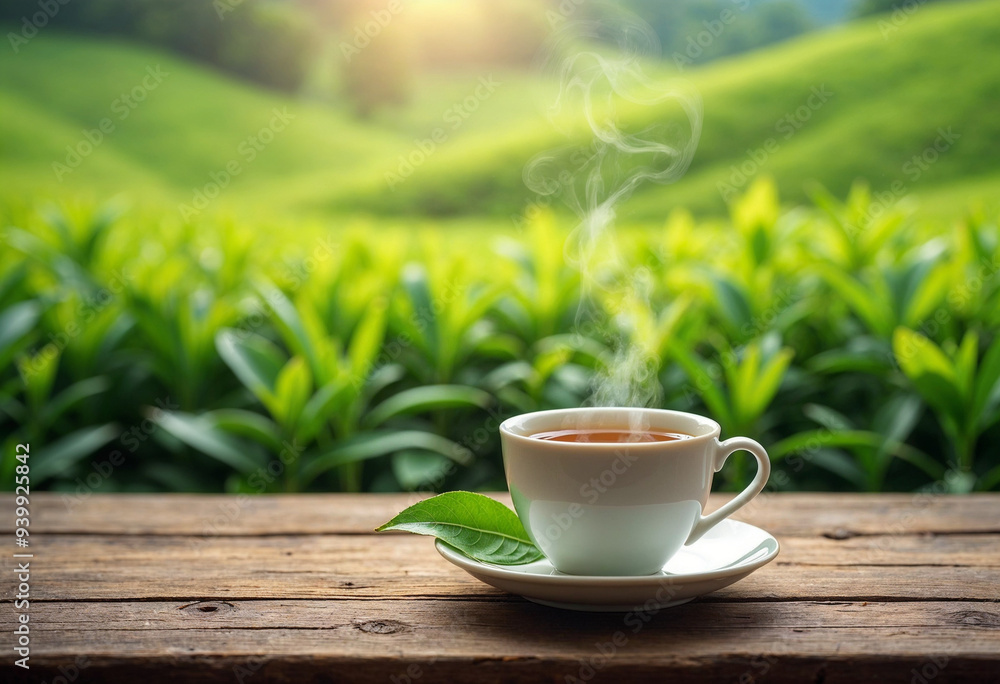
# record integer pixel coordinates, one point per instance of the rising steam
(604, 163)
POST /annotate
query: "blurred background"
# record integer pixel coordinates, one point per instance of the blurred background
(287, 245)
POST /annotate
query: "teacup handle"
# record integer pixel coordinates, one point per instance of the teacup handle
(725, 450)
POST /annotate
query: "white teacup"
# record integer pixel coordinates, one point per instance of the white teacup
(599, 508)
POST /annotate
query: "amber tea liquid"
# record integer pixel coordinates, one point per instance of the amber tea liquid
(610, 436)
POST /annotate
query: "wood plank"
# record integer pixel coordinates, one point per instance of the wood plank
(889, 586)
(804, 514)
(893, 549)
(368, 641)
(91, 567)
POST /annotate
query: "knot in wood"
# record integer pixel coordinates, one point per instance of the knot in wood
(839, 534)
(208, 607)
(976, 617)
(379, 626)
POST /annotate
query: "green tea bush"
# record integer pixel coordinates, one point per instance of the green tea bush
(854, 339)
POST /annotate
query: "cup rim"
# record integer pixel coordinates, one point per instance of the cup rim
(507, 433)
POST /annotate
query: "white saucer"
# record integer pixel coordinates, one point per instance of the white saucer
(727, 553)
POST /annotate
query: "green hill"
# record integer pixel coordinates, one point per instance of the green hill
(891, 90)
(189, 125)
(890, 95)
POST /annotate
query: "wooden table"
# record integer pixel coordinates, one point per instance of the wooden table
(187, 588)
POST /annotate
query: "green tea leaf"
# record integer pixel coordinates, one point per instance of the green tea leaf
(321, 406)
(840, 464)
(367, 341)
(697, 371)
(375, 444)
(863, 354)
(547, 362)
(896, 418)
(39, 372)
(812, 441)
(989, 480)
(71, 396)
(429, 398)
(965, 363)
(415, 469)
(506, 375)
(586, 350)
(927, 293)
(254, 360)
(15, 323)
(484, 340)
(941, 396)
(831, 419)
(986, 393)
(918, 356)
(732, 303)
(292, 326)
(414, 282)
(741, 378)
(476, 525)
(292, 390)
(56, 218)
(64, 453)
(867, 300)
(200, 433)
(247, 424)
(12, 280)
(380, 378)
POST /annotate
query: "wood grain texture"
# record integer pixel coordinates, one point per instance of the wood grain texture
(183, 588)
(220, 515)
(96, 567)
(460, 640)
